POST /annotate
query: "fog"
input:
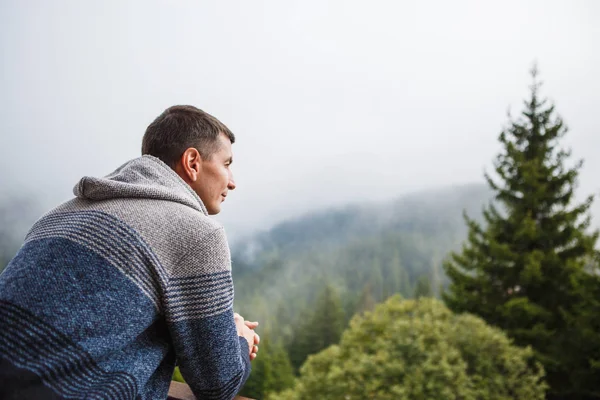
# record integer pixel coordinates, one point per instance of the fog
(331, 102)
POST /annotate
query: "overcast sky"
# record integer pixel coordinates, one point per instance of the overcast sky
(330, 101)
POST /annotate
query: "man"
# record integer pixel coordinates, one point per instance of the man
(115, 285)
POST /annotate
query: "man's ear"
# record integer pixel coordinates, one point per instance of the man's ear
(190, 165)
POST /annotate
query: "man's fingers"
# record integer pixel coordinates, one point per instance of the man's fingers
(252, 356)
(251, 325)
(255, 349)
(256, 339)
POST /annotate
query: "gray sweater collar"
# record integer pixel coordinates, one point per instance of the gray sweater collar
(143, 177)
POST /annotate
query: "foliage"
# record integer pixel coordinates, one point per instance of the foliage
(423, 288)
(322, 328)
(366, 252)
(582, 337)
(419, 349)
(271, 371)
(525, 270)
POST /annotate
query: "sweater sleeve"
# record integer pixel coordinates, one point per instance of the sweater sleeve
(212, 358)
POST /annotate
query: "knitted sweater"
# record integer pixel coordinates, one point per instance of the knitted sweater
(113, 286)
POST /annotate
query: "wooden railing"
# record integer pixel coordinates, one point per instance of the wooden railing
(181, 391)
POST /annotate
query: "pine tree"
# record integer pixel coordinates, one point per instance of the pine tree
(393, 274)
(321, 329)
(423, 288)
(281, 372)
(584, 332)
(366, 301)
(271, 370)
(405, 286)
(376, 279)
(328, 320)
(518, 271)
(254, 386)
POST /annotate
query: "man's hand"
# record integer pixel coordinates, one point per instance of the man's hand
(246, 330)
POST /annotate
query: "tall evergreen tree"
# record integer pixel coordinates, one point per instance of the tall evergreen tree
(271, 370)
(329, 319)
(405, 286)
(366, 301)
(584, 333)
(393, 274)
(322, 329)
(519, 271)
(300, 345)
(423, 288)
(281, 372)
(376, 279)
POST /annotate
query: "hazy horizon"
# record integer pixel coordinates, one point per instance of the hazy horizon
(331, 103)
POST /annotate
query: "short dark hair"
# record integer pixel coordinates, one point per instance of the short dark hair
(179, 128)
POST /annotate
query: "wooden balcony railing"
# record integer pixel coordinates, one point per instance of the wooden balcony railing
(181, 391)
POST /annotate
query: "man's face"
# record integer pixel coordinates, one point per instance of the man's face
(216, 178)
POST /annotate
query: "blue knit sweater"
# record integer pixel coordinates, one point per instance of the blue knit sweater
(112, 287)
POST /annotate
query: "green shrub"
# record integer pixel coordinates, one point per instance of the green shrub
(419, 349)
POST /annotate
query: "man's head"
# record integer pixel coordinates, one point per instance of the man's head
(197, 146)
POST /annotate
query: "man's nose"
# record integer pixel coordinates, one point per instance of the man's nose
(231, 184)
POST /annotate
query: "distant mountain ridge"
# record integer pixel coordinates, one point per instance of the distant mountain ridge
(424, 211)
(376, 249)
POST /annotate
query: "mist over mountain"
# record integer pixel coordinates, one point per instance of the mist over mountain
(427, 212)
(365, 251)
